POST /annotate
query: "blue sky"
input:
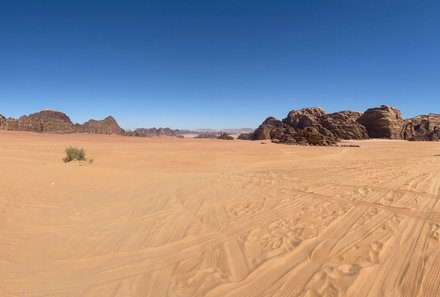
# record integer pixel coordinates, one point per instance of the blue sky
(216, 64)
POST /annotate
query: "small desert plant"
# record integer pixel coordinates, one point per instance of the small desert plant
(74, 153)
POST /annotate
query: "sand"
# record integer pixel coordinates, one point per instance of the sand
(188, 217)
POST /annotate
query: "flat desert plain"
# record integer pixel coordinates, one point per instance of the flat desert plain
(196, 217)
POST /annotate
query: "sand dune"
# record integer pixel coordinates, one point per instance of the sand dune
(187, 217)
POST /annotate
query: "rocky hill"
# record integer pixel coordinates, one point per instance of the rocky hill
(312, 126)
(307, 126)
(105, 126)
(50, 121)
(154, 132)
(422, 128)
(382, 122)
(225, 136)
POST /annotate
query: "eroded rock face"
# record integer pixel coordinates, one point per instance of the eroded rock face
(46, 121)
(382, 122)
(422, 128)
(269, 129)
(9, 124)
(105, 126)
(344, 126)
(299, 127)
(312, 126)
(50, 121)
(303, 118)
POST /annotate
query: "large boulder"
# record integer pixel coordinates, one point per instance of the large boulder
(2, 120)
(105, 126)
(422, 128)
(382, 122)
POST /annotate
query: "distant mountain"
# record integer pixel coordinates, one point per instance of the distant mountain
(203, 133)
(220, 131)
(50, 121)
(307, 126)
(154, 132)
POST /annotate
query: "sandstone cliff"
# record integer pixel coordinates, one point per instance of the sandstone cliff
(422, 128)
(382, 122)
(50, 121)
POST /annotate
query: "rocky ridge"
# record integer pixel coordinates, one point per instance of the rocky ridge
(307, 126)
(312, 126)
(225, 136)
(50, 121)
(154, 132)
(422, 128)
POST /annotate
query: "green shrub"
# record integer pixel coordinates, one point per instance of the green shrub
(73, 153)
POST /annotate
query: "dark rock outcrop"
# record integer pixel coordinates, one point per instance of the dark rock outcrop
(225, 136)
(8, 124)
(422, 128)
(46, 121)
(303, 118)
(382, 122)
(269, 129)
(154, 132)
(311, 126)
(105, 126)
(207, 135)
(344, 126)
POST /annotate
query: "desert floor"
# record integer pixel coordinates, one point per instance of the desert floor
(186, 217)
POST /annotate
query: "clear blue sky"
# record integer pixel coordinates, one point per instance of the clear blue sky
(217, 64)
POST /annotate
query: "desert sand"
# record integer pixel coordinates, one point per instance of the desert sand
(198, 217)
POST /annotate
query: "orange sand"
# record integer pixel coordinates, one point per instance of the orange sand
(186, 217)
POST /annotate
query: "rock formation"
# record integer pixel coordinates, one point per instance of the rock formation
(312, 126)
(152, 132)
(382, 122)
(245, 136)
(422, 128)
(271, 128)
(308, 126)
(105, 126)
(50, 121)
(225, 136)
(207, 135)
(344, 126)
(46, 121)
(8, 124)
